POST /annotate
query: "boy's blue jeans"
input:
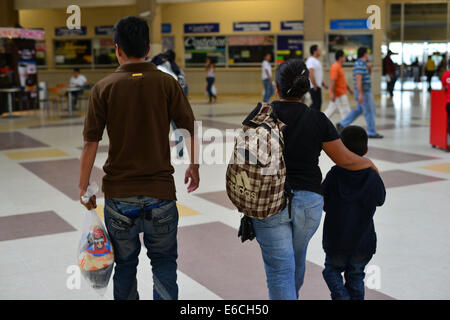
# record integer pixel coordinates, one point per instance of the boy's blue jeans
(368, 108)
(353, 268)
(284, 242)
(124, 220)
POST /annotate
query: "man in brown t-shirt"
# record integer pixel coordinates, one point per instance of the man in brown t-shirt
(136, 104)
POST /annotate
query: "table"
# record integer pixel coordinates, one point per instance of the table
(10, 92)
(69, 91)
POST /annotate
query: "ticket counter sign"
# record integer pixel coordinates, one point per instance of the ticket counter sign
(201, 27)
(293, 25)
(288, 47)
(196, 49)
(252, 26)
(66, 32)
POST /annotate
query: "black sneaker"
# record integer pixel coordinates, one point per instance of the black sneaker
(339, 127)
(377, 136)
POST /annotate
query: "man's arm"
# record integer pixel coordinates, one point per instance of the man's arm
(359, 88)
(87, 162)
(311, 76)
(268, 75)
(332, 89)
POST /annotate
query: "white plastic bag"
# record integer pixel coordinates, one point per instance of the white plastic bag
(95, 253)
(214, 90)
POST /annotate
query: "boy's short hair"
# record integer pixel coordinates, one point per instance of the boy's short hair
(133, 36)
(76, 70)
(355, 139)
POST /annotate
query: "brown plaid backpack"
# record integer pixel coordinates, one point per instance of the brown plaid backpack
(256, 175)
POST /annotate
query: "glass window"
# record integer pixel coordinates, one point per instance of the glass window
(349, 43)
(196, 49)
(425, 21)
(104, 53)
(71, 53)
(246, 51)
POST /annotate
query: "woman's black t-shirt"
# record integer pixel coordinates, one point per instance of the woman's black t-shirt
(303, 144)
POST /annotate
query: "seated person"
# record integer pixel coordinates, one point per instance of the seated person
(77, 81)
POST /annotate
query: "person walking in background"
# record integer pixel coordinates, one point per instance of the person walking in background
(136, 104)
(338, 88)
(210, 79)
(77, 81)
(283, 238)
(363, 95)
(389, 70)
(267, 78)
(316, 77)
(349, 238)
(430, 69)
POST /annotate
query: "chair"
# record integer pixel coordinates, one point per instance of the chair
(55, 97)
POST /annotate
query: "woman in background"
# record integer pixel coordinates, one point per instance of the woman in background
(210, 79)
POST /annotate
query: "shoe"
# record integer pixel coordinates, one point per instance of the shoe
(339, 127)
(377, 136)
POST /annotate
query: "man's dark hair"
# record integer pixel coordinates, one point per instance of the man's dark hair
(76, 70)
(292, 79)
(313, 48)
(355, 139)
(361, 52)
(338, 54)
(133, 36)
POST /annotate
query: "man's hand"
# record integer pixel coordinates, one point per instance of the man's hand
(351, 91)
(360, 99)
(192, 177)
(91, 204)
(332, 96)
(325, 86)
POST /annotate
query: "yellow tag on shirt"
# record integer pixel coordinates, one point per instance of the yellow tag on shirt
(137, 74)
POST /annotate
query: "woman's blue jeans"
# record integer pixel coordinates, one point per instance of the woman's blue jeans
(284, 242)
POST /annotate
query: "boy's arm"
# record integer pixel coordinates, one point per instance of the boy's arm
(380, 190)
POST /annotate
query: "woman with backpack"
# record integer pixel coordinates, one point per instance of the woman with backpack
(284, 237)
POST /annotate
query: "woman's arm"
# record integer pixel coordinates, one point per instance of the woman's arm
(346, 159)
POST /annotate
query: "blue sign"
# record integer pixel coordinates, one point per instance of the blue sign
(201, 27)
(348, 24)
(294, 42)
(251, 26)
(297, 25)
(65, 32)
(104, 30)
(166, 28)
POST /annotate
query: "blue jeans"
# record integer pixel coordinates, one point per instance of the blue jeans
(125, 219)
(368, 108)
(353, 268)
(284, 242)
(210, 82)
(268, 90)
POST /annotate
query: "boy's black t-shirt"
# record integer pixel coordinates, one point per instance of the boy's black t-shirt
(303, 144)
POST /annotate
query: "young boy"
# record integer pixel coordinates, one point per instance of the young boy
(349, 238)
(136, 104)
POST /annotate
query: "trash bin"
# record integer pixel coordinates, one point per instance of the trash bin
(439, 131)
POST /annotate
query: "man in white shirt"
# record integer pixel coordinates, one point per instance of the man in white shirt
(267, 77)
(316, 77)
(77, 81)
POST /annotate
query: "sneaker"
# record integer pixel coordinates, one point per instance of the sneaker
(377, 136)
(339, 127)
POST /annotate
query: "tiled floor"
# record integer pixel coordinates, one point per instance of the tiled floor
(41, 216)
